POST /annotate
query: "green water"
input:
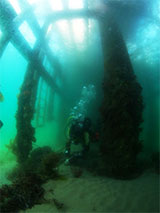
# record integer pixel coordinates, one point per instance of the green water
(79, 68)
(57, 168)
(82, 64)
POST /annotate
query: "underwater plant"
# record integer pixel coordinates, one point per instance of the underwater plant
(122, 105)
(23, 193)
(27, 179)
(42, 161)
(24, 115)
(49, 166)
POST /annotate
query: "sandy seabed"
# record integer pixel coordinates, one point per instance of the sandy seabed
(100, 194)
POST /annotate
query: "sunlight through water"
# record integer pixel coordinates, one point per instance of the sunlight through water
(75, 4)
(78, 29)
(0, 34)
(15, 5)
(27, 33)
(56, 5)
(63, 26)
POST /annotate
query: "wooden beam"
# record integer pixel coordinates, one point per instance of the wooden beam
(3, 43)
(122, 106)
(21, 44)
(23, 47)
(7, 10)
(40, 35)
(72, 14)
(6, 20)
(19, 19)
(8, 15)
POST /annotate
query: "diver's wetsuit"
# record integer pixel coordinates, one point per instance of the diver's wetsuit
(79, 134)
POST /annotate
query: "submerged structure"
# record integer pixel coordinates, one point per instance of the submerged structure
(122, 105)
(75, 85)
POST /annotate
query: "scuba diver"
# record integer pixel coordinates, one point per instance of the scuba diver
(79, 133)
(79, 126)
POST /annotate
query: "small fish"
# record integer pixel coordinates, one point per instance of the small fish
(1, 97)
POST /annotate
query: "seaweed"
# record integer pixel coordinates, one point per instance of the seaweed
(24, 115)
(42, 161)
(122, 105)
(27, 179)
(23, 193)
(49, 165)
